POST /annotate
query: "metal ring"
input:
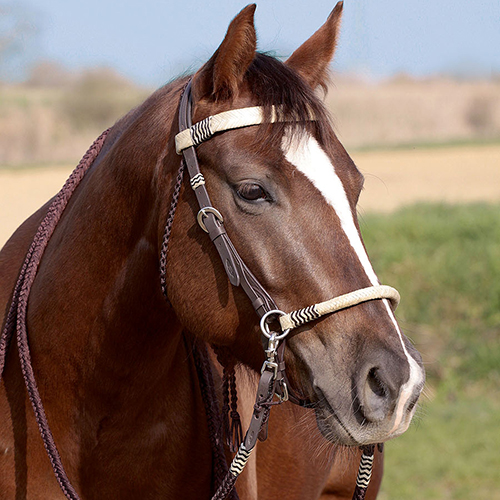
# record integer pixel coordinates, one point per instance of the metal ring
(203, 213)
(265, 327)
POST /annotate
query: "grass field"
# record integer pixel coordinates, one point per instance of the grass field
(445, 261)
(451, 452)
(452, 174)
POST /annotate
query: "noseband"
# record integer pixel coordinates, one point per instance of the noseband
(273, 379)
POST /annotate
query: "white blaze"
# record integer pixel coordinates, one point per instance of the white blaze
(310, 159)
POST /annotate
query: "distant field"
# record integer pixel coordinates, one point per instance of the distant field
(409, 111)
(392, 179)
(23, 191)
(460, 174)
(56, 123)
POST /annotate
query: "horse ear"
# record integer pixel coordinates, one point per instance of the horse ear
(221, 76)
(312, 58)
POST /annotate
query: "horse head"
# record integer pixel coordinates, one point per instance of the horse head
(288, 192)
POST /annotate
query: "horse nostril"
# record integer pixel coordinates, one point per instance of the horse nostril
(375, 396)
(375, 384)
(379, 381)
(413, 400)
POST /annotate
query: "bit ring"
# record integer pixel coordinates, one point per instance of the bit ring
(265, 327)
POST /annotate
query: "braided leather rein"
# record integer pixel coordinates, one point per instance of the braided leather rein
(16, 317)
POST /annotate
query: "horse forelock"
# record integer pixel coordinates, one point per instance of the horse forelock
(272, 84)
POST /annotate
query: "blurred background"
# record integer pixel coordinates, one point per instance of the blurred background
(415, 98)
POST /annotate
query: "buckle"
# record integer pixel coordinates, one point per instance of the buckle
(204, 213)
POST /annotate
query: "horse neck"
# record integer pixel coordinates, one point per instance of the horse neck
(101, 332)
(102, 263)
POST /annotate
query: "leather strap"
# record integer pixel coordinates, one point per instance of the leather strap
(237, 272)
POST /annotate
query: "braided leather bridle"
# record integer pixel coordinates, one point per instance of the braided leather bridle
(273, 379)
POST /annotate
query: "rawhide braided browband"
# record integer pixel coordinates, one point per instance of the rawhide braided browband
(203, 130)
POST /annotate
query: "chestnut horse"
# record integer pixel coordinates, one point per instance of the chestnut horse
(113, 358)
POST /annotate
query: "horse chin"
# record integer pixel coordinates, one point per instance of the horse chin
(339, 432)
(332, 428)
(344, 432)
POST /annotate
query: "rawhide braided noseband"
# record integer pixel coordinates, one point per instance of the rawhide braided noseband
(273, 378)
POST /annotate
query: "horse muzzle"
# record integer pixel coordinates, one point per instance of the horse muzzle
(372, 402)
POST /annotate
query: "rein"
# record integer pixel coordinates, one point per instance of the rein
(16, 317)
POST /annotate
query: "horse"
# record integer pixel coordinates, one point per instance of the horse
(115, 360)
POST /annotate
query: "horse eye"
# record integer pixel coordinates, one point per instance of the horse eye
(252, 192)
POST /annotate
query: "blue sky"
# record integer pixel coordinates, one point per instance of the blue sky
(153, 40)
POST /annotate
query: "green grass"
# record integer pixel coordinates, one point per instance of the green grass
(452, 452)
(445, 261)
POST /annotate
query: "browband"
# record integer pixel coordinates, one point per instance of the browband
(227, 120)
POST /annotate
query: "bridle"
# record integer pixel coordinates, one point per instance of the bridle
(273, 377)
(273, 380)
